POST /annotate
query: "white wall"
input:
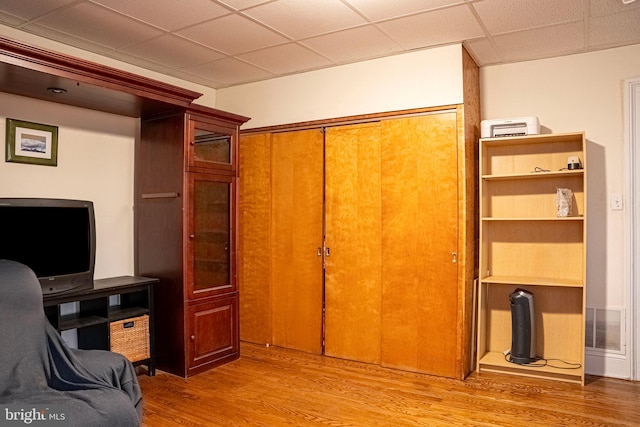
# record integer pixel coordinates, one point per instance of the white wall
(581, 93)
(95, 162)
(423, 78)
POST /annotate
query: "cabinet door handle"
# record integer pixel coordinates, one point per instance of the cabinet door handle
(454, 257)
(160, 195)
(226, 246)
(319, 253)
(193, 337)
(327, 251)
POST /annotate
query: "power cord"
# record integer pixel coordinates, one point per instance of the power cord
(538, 169)
(541, 362)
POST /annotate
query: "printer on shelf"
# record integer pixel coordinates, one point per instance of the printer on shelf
(519, 126)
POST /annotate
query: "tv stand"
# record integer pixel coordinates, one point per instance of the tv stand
(97, 313)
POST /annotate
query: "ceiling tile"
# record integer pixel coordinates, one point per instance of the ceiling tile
(541, 42)
(173, 52)
(229, 71)
(616, 29)
(27, 11)
(233, 34)
(608, 7)
(10, 20)
(301, 19)
(98, 25)
(502, 16)
(354, 44)
(383, 10)
(241, 4)
(483, 51)
(167, 14)
(196, 79)
(433, 28)
(127, 58)
(286, 59)
(68, 39)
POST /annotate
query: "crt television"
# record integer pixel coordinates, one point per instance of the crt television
(56, 238)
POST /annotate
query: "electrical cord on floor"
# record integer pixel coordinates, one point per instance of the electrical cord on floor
(542, 362)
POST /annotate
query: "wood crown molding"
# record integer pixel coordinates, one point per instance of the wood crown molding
(348, 120)
(28, 71)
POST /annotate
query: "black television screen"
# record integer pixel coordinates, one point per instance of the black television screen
(54, 237)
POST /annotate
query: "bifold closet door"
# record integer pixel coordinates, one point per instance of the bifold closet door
(353, 238)
(419, 244)
(296, 235)
(254, 262)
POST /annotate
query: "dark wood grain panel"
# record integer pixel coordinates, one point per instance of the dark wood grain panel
(28, 71)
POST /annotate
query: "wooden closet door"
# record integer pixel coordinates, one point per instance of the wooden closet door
(296, 235)
(420, 235)
(254, 213)
(353, 235)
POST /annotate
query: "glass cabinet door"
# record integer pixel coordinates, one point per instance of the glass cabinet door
(211, 146)
(211, 238)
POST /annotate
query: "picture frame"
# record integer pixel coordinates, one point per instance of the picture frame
(31, 143)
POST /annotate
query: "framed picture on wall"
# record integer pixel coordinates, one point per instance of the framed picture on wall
(32, 143)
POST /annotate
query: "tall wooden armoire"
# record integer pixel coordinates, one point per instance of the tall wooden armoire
(186, 226)
(359, 234)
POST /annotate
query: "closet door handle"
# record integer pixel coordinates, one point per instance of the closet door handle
(327, 252)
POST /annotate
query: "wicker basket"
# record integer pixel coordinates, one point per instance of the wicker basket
(130, 337)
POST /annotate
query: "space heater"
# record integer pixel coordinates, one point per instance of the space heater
(523, 336)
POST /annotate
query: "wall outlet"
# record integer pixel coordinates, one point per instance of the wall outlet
(616, 201)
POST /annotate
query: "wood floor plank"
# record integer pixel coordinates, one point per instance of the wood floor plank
(274, 386)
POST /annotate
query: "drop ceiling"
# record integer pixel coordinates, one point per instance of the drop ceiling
(221, 43)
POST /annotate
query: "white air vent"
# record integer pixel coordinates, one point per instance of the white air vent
(605, 329)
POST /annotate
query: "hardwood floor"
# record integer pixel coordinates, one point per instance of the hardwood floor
(274, 387)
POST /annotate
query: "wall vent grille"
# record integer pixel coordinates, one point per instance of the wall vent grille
(605, 329)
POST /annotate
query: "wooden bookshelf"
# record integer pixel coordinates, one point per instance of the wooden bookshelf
(525, 244)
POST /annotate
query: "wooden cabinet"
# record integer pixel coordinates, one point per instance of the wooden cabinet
(366, 227)
(212, 145)
(186, 226)
(213, 332)
(210, 233)
(353, 236)
(185, 209)
(526, 243)
(254, 242)
(296, 235)
(420, 247)
(358, 235)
